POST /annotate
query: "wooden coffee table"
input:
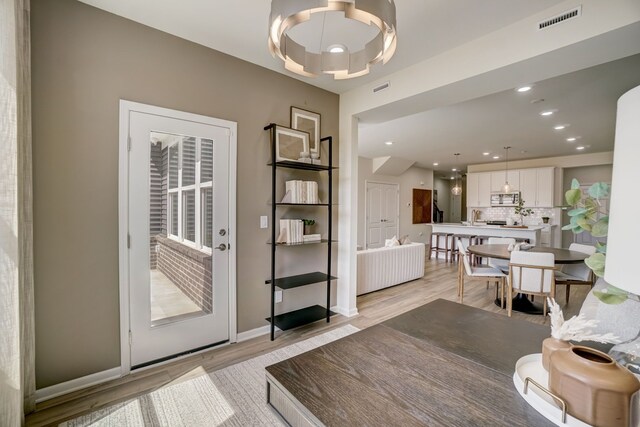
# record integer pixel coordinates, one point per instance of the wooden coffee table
(442, 364)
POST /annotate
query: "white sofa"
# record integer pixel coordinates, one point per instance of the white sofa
(383, 267)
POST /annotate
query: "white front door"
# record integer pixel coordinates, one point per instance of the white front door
(382, 213)
(179, 233)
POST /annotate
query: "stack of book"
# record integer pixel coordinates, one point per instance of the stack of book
(292, 231)
(298, 191)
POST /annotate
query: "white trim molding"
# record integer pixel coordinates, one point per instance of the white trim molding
(254, 333)
(66, 387)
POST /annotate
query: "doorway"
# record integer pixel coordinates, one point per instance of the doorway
(382, 212)
(177, 233)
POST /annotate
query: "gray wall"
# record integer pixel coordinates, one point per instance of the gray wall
(84, 61)
(414, 177)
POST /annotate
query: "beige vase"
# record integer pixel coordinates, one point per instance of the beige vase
(549, 345)
(596, 389)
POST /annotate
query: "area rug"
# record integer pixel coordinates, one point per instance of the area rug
(233, 396)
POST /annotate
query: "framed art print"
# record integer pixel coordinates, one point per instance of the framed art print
(307, 121)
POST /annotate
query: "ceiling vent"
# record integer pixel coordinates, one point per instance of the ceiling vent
(564, 16)
(383, 86)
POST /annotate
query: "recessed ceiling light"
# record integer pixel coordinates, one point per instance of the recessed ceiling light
(546, 113)
(486, 153)
(451, 178)
(524, 89)
(454, 169)
(496, 157)
(389, 143)
(580, 148)
(336, 48)
(559, 127)
(571, 139)
(435, 164)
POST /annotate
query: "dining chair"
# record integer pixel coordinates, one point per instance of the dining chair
(484, 273)
(531, 273)
(575, 274)
(500, 264)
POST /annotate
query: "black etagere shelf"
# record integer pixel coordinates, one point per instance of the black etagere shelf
(313, 313)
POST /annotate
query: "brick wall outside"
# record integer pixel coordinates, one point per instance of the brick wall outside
(189, 269)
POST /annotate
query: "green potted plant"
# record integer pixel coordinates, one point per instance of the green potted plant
(521, 211)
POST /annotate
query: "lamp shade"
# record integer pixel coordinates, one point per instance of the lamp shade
(624, 218)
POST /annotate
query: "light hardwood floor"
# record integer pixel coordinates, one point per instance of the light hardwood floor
(439, 282)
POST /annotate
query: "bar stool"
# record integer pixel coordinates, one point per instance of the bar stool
(437, 248)
(471, 240)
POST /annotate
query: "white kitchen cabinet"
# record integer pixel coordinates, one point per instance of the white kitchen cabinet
(545, 187)
(479, 190)
(529, 187)
(484, 190)
(536, 187)
(472, 190)
(498, 180)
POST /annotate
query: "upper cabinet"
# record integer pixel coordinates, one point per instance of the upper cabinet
(498, 180)
(479, 189)
(535, 185)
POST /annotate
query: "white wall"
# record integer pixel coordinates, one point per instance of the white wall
(414, 177)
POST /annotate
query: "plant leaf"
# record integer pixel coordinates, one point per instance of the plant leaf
(601, 247)
(600, 228)
(577, 211)
(585, 224)
(596, 263)
(599, 190)
(573, 196)
(567, 227)
(608, 298)
(575, 185)
(616, 291)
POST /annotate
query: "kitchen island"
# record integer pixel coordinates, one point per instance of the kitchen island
(532, 232)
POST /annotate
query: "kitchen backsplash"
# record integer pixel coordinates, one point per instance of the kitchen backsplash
(501, 214)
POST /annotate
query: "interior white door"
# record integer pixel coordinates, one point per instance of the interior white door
(178, 218)
(382, 213)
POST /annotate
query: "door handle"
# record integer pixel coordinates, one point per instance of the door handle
(221, 247)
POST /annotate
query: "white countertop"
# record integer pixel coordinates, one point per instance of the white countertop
(457, 224)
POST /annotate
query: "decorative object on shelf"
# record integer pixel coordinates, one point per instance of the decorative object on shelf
(291, 231)
(457, 187)
(301, 192)
(335, 59)
(308, 121)
(595, 388)
(290, 143)
(578, 328)
(545, 219)
(521, 211)
(506, 188)
(308, 223)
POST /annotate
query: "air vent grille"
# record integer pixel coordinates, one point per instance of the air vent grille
(383, 86)
(569, 14)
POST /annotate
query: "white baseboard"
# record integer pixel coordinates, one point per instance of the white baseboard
(77, 384)
(345, 312)
(253, 333)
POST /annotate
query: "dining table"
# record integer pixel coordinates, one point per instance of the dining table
(520, 302)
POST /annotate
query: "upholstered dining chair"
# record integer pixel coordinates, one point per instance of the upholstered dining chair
(480, 272)
(531, 273)
(500, 264)
(575, 274)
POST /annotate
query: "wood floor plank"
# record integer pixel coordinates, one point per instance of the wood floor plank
(439, 282)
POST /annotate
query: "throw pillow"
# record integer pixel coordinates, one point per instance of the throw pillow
(388, 243)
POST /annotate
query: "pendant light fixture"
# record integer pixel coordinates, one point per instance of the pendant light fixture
(343, 64)
(506, 188)
(457, 187)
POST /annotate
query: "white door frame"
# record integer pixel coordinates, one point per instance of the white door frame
(126, 107)
(366, 209)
